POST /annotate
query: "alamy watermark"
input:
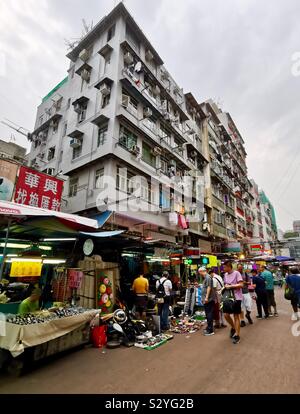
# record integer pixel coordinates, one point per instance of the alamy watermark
(136, 193)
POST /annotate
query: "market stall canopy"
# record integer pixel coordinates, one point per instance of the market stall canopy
(284, 258)
(264, 258)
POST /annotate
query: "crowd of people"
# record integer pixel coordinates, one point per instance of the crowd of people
(231, 297)
(227, 298)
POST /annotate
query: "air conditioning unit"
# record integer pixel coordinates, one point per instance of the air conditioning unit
(125, 101)
(156, 151)
(84, 55)
(164, 74)
(149, 56)
(77, 108)
(135, 150)
(105, 89)
(147, 112)
(75, 143)
(128, 58)
(85, 75)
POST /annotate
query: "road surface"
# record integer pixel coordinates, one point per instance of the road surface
(265, 361)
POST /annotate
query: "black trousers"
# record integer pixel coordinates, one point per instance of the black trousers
(209, 312)
(262, 302)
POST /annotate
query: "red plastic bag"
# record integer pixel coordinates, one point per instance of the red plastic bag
(98, 336)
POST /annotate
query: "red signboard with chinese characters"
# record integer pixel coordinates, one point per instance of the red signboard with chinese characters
(37, 189)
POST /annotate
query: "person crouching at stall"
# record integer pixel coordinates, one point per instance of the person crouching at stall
(32, 303)
(140, 288)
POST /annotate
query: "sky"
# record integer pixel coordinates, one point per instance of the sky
(245, 54)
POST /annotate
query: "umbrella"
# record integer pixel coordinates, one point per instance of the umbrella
(284, 259)
(264, 258)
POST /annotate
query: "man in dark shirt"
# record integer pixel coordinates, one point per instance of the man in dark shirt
(261, 294)
(293, 281)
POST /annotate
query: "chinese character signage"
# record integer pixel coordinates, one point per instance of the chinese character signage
(25, 269)
(8, 173)
(37, 189)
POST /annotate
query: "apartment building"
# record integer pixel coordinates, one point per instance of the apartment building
(268, 220)
(117, 115)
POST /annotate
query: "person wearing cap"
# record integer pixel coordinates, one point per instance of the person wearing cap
(31, 304)
(208, 299)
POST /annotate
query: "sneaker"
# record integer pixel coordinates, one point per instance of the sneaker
(249, 319)
(276, 314)
(243, 323)
(294, 317)
(271, 314)
(232, 332)
(208, 333)
(259, 317)
(236, 339)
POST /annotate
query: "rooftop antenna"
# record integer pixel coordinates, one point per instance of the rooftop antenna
(17, 128)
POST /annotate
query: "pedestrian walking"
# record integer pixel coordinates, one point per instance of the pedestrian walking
(247, 299)
(261, 294)
(218, 314)
(140, 288)
(233, 281)
(163, 293)
(268, 277)
(293, 281)
(208, 299)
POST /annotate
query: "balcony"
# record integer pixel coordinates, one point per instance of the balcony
(153, 76)
(219, 230)
(230, 210)
(217, 202)
(54, 117)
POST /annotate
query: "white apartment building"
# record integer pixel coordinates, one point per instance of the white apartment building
(119, 114)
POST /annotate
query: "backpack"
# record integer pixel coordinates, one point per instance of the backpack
(160, 292)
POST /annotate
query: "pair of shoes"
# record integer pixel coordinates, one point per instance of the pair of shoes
(208, 333)
(232, 332)
(243, 323)
(236, 339)
(259, 317)
(276, 314)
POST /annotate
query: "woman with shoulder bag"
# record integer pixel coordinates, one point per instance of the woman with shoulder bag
(232, 300)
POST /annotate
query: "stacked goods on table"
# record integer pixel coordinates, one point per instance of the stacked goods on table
(44, 316)
(151, 342)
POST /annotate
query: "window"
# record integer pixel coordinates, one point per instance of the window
(77, 152)
(102, 135)
(99, 178)
(69, 103)
(147, 156)
(73, 184)
(165, 134)
(82, 114)
(150, 123)
(54, 128)
(111, 32)
(164, 198)
(125, 180)
(130, 103)
(51, 153)
(217, 217)
(106, 63)
(65, 129)
(127, 139)
(105, 100)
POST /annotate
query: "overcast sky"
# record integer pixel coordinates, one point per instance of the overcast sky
(238, 52)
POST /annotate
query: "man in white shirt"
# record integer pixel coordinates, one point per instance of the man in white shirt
(218, 285)
(164, 288)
